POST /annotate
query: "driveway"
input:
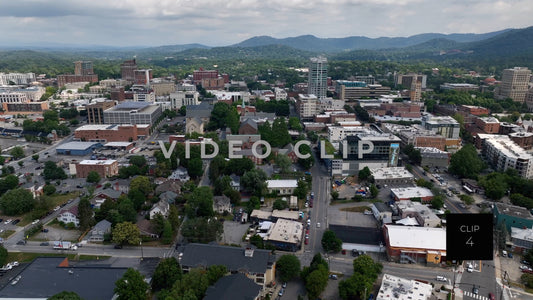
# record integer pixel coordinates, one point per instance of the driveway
(233, 232)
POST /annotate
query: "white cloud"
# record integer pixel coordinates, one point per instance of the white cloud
(215, 22)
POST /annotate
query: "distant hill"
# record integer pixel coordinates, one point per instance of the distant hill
(313, 43)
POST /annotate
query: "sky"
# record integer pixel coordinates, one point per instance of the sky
(226, 22)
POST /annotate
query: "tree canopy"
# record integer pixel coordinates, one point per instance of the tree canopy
(330, 242)
(466, 162)
(131, 286)
(17, 201)
(126, 233)
(288, 267)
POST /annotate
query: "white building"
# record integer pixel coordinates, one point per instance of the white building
(307, 106)
(17, 78)
(281, 94)
(69, 216)
(282, 186)
(144, 97)
(398, 288)
(391, 175)
(505, 154)
(181, 98)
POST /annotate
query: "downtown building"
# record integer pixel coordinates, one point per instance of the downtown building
(514, 84)
(502, 153)
(83, 72)
(133, 113)
(318, 77)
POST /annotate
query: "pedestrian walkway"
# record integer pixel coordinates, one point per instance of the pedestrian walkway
(472, 295)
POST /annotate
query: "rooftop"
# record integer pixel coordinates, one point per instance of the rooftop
(97, 162)
(282, 183)
(97, 127)
(286, 231)
(285, 214)
(77, 145)
(129, 105)
(393, 287)
(196, 255)
(391, 172)
(511, 210)
(506, 146)
(44, 278)
(417, 237)
(233, 287)
(411, 192)
(522, 234)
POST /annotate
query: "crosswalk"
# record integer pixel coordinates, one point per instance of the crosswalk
(472, 295)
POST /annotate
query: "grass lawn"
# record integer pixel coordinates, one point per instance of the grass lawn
(6, 233)
(56, 199)
(356, 209)
(28, 257)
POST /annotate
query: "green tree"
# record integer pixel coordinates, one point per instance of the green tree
(142, 183)
(294, 124)
(200, 202)
(126, 233)
(195, 167)
(52, 172)
(126, 208)
(183, 110)
(254, 181)
(191, 285)
(16, 202)
(280, 133)
(65, 295)
(93, 177)
(232, 120)
(468, 200)
(316, 282)
(49, 189)
(466, 162)
(364, 174)
(218, 116)
(17, 152)
(201, 230)
(283, 162)
(8, 183)
(50, 115)
(3, 255)
(167, 272)
(166, 237)
(437, 202)
(330, 242)
(131, 286)
(288, 266)
(85, 214)
(138, 160)
(221, 184)
(374, 191)
(334, 195)
(495, 185)
(301, 190)
(366, 272)
(215, 272)
(280, 204)
(239, 166)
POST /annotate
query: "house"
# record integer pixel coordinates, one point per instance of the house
(146, 229)
(170, 185)
(221, 204)
(197, 117)
(282, 186)
(99, 231)
(194, 125)
(257, 264)
(103, 195)
(235, 182)
(161, 207)
(289, 151)
(233, 287)
(168, 196)
(69, 216)
(180, 174)
(249, 126)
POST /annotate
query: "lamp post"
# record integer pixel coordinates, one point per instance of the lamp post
(142, 254)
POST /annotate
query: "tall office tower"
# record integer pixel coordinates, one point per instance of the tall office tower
(514, 84)
(83, 68)
(318, 77)
(127, 70)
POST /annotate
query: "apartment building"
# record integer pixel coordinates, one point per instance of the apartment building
(514, 84)
(105, 168)
(502, 153)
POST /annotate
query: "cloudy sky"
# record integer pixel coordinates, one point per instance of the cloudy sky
(226, 22)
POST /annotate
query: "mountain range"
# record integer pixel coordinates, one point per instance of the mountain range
(507, 43)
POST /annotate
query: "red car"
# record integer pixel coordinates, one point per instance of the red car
(491, 296)
(307, 240)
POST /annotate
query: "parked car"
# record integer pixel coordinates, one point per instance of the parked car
(21, 242)
(118, 246)
(491, 296)
(15, 222)
(44, 230)
(442, 278)
(281, 292)
(8, 221)
(475, 290)
(333, 276)
(45, 244)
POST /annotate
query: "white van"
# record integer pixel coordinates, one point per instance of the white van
(504, 253)
(470, 268)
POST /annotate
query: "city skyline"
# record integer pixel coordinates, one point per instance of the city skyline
(213, 23)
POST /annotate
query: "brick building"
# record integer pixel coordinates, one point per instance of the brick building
(105, 168)
(523, 139)
(474, 110)
(69, 78)
(112, 133)
(127, 70)
(488, 124)
(198, 75)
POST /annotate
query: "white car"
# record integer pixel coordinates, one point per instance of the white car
(442, 278)
(470, 268)
(317, 225)
(8, 221)
(35, 222)
(57, 208)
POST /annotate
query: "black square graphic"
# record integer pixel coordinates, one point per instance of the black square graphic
(469, 236)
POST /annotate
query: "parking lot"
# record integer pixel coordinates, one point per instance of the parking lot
(337, 216)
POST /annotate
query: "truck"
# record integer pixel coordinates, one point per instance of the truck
(61, 245)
